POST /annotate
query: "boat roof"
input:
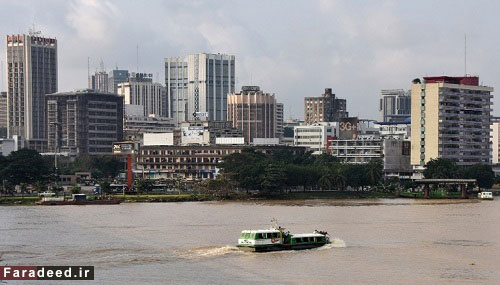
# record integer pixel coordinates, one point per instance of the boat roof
(307, 235)
(260, 231)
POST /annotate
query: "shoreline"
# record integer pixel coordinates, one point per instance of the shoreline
(308, 195)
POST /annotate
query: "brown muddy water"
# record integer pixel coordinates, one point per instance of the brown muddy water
(384, 241)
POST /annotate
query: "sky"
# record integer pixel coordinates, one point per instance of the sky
(293, 49)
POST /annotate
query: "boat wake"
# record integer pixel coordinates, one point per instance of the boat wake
(211, 251)
(334, 243)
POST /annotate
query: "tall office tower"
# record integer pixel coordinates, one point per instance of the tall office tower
(199, 83)
(140, 91)
(327, 108)
(3, 114)
(99, 82)
(450, 118)
(279, 120)
(31, 74)
(395, 105)
(84, 122)
(253, 112)
(115, 77)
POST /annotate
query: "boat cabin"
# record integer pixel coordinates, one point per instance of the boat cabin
(307, 239)
(79, 197)
(260, 237)
(485, 195)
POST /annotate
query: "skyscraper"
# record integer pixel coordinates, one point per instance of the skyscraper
(115, 77)
(3, 114)
(99, 82)
(395, 105)
(327, 108)
(279, 119)
(199, 83)
(450, 118)
(253, 112)
(31, 74)
(140, 90)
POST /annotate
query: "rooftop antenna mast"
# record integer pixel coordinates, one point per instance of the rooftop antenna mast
(465, 53)
(88, 72)
(137, 69)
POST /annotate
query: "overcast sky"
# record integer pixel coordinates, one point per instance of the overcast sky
(291, 48)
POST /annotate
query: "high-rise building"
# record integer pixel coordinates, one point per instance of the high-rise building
(31, 74)
(115, 77)
(99, 82)
(3, 114)
(279, 120)
(326, 108)
(395, 105)
(84, 122)
(140, 90)
(199, 83)
(495, 140)
(253, 112)
(450, 118)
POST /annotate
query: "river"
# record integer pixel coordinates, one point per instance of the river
(375, 241)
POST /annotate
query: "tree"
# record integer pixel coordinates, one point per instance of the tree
(274, 178)
(75, 190)
(25, 166)
(375, 170)
(482, 173)
(326, 181)
(441, 168)
(144, 185)
(220, 187)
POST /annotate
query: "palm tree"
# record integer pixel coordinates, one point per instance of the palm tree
(375, 171)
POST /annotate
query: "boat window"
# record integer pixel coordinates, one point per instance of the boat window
(247, 235)
(258, 236)
(242, 235)
(252, 236)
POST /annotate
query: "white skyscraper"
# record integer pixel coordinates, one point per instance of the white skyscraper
(199, 83)
(141, 91)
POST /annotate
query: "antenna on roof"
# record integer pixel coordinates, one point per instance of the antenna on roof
(88, 72)
(33, 31)
(465, 53)
(102, 65)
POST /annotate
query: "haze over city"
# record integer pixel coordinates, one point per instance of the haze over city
(291, 48)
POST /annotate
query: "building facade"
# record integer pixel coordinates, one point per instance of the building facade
(3, 114)
(31, 74)
(115, 77)
(140, 90)
(495, 140)
(199, 83)
(395, 105)
(280, 114)
(84, 122)
(99, 82)
(361, 150)
(253, 112)
(206, 132)
(315, 137)
(450, 118)
(191, 163)
(326, 108)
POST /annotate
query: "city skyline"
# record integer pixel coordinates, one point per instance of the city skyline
(335, 45)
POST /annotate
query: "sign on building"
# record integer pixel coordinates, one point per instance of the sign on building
(123, 148)
(348, 128)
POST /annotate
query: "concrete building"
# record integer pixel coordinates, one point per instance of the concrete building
(31, 74)
(199, 83)
(450, 118)
(158, 139)
(288, 130)
(3, 114)
(135, 126)
(140, 90)
(280, 114)
(495, 140)
(394, 130)
(315, 137)
(395, 105)
(192, 163)
(116, 77)
(206, 132)
(84, 122)
(360, 150)
(253, 112)
(326, 108)
(99, 82)
(396, 155)
(9, 145)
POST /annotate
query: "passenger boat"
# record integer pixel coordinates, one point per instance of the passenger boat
(485, 195)
(278, 239)
(77, 199)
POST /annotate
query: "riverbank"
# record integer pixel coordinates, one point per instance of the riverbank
(188, 197)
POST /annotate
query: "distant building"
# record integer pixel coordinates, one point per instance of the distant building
(140, 90)
(360, 150)
(396, 153)
(199, 83)
(3, 115)
(192, 163)
(395, 105)
(135, 126)
(394, 130)
(99, 82)
(84, 122)
(31, 74)
(450, 118)
(495, 140)
(206, 132)
(315, 137)
(327, 108)
(253, 112)
(116, 77)
(280, 114)
(288, 130)
(9, 145)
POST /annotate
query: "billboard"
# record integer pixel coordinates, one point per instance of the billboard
(193, 135)
(348, 128)
(123, 148)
